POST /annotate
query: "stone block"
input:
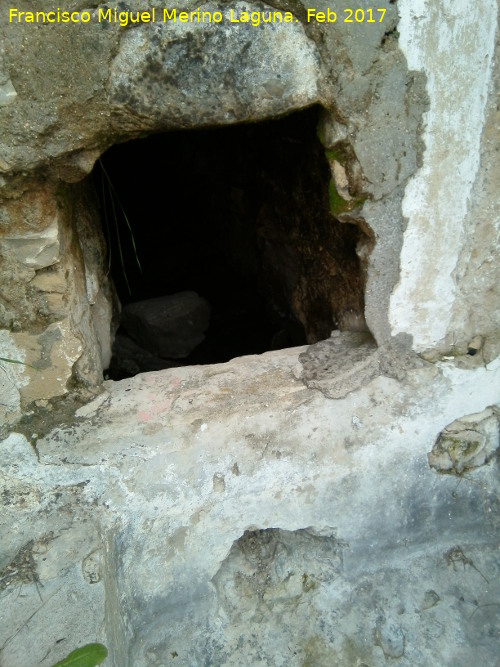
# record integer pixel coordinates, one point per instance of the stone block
(467, 443)
(168, 326)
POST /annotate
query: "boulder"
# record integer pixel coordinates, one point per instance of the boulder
(168, 326)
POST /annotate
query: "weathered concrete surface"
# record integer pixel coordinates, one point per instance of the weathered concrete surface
(450, 246)
(367, 553)
(375, 135)
(49, 570)
(477, 274)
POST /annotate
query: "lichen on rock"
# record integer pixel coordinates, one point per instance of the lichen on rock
(467, 443)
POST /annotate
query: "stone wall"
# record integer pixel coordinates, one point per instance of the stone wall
(124, 82)
(330, 504)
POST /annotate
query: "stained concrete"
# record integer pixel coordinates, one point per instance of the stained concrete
(446, 231)
(231, 515)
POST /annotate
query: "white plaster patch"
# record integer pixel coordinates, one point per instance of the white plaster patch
(453, 43)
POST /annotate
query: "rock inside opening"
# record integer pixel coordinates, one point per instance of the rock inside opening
(241, 217)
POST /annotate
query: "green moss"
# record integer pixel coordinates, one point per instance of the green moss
(460, 449)
(393, 33)
(333, 154)
(339, 205)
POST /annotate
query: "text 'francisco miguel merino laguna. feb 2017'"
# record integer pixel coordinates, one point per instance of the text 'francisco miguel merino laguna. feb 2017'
(124, 18)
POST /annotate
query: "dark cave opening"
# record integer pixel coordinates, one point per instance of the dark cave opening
(239, 215)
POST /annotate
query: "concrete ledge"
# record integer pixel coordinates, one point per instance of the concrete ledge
(172, 489)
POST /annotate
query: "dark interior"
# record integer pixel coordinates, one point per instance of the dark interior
(241, 216)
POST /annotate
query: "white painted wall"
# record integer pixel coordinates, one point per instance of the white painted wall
(452, 41)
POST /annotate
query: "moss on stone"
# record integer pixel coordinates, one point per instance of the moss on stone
(335, 154)
(337, 203)
(340, 205)
(461, 451)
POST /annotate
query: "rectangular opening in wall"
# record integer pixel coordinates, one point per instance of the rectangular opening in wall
(238, 247)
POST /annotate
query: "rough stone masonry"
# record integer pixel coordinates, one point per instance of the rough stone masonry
(330, 504)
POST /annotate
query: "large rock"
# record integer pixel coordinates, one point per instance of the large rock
(173, 72)
(129, 359)
(168, 326)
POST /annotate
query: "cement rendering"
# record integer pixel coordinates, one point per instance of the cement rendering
(230, 515)
(437, 198)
